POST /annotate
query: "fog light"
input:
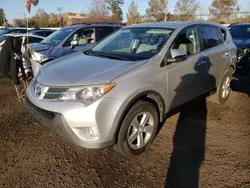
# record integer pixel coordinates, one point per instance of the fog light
(93, 131)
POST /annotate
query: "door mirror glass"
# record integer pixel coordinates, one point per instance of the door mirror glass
(177, 55)
(73, 43)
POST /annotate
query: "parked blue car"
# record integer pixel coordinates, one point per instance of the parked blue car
(241, 37)
(72, 38)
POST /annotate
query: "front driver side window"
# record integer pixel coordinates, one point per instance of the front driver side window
(82, 36)
(188, 41)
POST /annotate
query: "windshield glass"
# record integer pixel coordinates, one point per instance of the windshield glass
(239, 31)
(133, 43)
(2, 38)
(3, 31)
(58, 36)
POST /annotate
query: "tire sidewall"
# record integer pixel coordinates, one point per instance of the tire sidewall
(122, 141)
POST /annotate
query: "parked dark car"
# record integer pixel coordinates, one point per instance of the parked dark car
(12, 30)
(68, 40)
(241, 37)
(42, 32)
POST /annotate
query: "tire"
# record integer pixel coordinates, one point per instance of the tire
(124, 145)
(221, 96)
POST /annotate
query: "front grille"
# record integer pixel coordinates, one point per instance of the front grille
(45, 113)
(52, 96)
(54, 93)
(57, 90)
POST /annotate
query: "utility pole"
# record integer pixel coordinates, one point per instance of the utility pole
(25, 18)
(137, 5)
(166, 11)
(59, 10)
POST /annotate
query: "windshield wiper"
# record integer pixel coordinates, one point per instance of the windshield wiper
(112, 56)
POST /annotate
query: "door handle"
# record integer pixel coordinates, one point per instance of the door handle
(225, 54)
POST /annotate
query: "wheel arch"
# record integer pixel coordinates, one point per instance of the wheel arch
(150, 96)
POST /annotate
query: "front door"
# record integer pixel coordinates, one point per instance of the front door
(85, 37)
(185, 78)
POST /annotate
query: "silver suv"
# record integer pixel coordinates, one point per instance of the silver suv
(118, 92)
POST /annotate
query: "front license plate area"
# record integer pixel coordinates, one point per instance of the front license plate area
(36, 115)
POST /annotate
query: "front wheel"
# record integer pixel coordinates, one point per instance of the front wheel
(138, 129)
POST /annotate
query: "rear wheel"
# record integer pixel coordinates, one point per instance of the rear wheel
(224, 89)
(138, 129)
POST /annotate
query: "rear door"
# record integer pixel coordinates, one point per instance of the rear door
(217, 53)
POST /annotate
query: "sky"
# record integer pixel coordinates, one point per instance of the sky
(15, 8)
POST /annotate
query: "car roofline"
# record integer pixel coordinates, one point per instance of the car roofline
(173, 25)
(23, 34)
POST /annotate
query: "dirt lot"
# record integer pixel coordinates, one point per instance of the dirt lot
(211, 150)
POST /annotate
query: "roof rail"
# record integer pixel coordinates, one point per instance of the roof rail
(89, 23)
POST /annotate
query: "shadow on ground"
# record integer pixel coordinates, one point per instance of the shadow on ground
(241, 84)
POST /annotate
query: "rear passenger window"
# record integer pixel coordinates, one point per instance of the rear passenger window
(102, 32)
(210, 37)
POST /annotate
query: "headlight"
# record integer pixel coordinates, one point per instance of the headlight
(86, 94)
(39, 57)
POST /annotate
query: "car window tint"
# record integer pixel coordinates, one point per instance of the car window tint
(47, 33)
(102, 32)
(82, 36)
(188, 41)
(210, 37)
(34, 40)
(40, 33)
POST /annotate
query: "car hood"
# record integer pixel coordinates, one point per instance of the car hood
(242, 42)
(39, 47)
(80, 69)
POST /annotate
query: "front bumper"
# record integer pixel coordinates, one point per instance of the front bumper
(72, 120)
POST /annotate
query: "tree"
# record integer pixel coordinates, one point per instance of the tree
(19, 22)
(54, 20)
(41, 18)
(133, 16)
(99, 11)
(222, 10)
(185, 9)
(115, 7)
(157, 10)
(2, 17)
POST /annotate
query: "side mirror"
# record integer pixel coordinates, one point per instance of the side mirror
(73, 43)
(177, 55)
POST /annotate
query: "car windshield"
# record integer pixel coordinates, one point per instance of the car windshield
(240, 31)
(58, 36)
(3, 31)
(2, 38)
(132, 43)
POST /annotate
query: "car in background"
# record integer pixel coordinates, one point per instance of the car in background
(68, 40)
(119, 92)
(241, 37)
(26, 39)
(12, 30)
(42, 32)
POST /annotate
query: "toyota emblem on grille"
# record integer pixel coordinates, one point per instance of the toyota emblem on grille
(38, 90)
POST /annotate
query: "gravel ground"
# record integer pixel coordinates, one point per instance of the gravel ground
(206, 146)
